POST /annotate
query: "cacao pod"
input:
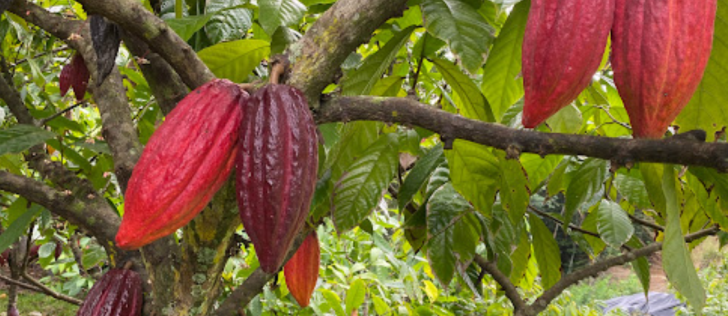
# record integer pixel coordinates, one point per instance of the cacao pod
(184, 163)
(562, 47)
(302, 270)
(13, 311)
(116, 293)
(276, 170)
(75, 74)
(659, 52)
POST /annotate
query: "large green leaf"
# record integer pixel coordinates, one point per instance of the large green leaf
(706, 109)
(361, 187)
(275, 13)
(539, 168)
(459, 24)
(472, 102)
(502, 84)
(613, 224)
(356, 295)
(235, 60)
(187, 26)
(586, 182)
(18, 227)
(519, 257)
(452, 233)
(475, 173)
(230, 22)
(514, 191)
(630, 184)
(362, 80)
(641, 266)
(21, 137)
(419, 174)
(546, 251)
(675, 255)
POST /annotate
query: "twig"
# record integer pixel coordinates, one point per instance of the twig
(49, 291)
(571, 226)
(53, 51)
(614, 119)
(64, 111)
(508, 287)
(646, 223)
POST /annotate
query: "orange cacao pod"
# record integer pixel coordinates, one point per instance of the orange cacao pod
(302, 270)
(562, 48)
(185, 162)
(276, 170)
(659, 52)
(116, 293)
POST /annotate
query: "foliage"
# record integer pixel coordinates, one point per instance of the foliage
(402, 214)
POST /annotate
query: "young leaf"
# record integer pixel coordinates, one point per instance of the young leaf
(356, 295)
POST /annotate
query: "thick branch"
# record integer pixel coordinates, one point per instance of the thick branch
(593, 269)
(133, 17)
(347, 24)
(508, 287)
(15, 103)
(450, 126)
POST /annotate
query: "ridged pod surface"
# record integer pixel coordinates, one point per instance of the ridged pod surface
(276, 170)
(562, 48)
(116, 293)
(187, 160)
(302, 270)
(75, 75)
(659, 52)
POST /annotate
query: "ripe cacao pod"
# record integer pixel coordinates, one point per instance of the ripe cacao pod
(562, 48)
(184, 163)
(302, 270)
(116, 293)
(75, 74)
(276, 170)
(659, 52)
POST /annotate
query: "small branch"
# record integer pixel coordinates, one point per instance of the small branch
(12, 98)
(48, 291)
(508, 287)
(571, 226)
(593, 269)
(20, 284)
(646, 223)
(64, 111)
(412, 113)
(53, 51)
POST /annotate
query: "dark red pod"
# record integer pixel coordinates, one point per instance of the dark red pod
(563, 45)
(302, 270)
(185, 162)
(79, 76)
(276, 170)
(65, 79)
(116, 293)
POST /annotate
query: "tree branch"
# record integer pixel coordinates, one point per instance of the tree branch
(133, 17)
(15, 103)
(571, 226)
(593, 269)
(621, 150)
(508, 287)
(316, 58)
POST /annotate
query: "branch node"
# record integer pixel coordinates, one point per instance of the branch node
(513, 152)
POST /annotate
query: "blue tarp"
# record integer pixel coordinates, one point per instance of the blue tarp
(656, 304)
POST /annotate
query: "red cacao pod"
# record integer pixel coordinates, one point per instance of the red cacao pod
(659, 52)
(562, 48)
(116, 293)
(79, 77)
(65, 78)
(302, 270)
(276, 170)
(13, 311)
(184, 163)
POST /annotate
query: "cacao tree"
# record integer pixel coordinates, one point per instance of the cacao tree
(420, 139)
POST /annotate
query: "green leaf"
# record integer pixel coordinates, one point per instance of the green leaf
(519, 257)
(275, 13)
(187, 26)
(234, 60)
(230, 22)
(514, 192)
(18, 227)
(452, 232)
(472, 102)
(546, 251)
(362, 80)
(675, 255)
(613, 224)
(475, 173)
(586, 182)
(388, 87)
(652, 176)
(567, 120)
(641, 266)
(629, 183)
(361, 187)
(705, 110)
(380, 306)
(356, 295)
(459, 24)
(502, 83)
(538, 168)
(21, 137)
(419, 174)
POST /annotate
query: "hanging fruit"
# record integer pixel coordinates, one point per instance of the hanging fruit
(302, 270)
(116, 293)
(75, 75)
